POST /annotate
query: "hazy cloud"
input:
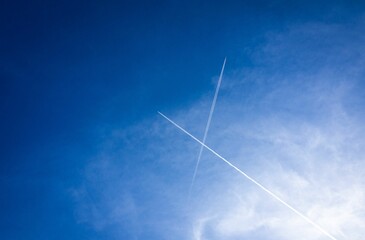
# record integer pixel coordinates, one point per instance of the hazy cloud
(293, 122)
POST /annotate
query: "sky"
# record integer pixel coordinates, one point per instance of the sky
(85, 155)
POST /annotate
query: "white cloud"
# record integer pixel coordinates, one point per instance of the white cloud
(297, 130)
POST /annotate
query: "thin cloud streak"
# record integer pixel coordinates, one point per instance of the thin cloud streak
(254, 181)
(207, 127)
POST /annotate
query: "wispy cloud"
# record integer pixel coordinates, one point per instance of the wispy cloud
(294, 122)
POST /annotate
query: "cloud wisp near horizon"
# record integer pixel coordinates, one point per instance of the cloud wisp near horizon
(293, 120)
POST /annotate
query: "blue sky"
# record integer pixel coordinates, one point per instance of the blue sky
(86, 156)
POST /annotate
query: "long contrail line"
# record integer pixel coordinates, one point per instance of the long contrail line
(207, 127)
(254, 181)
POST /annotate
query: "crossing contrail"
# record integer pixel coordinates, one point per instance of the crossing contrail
(207, 127)
(254, 181)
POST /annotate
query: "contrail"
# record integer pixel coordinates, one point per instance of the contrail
(254, 181)
(207, 127)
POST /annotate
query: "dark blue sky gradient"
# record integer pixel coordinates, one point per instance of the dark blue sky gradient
(70, 71)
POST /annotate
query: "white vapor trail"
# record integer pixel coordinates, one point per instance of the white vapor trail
(207, 126)
(254, 181)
